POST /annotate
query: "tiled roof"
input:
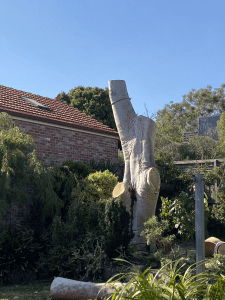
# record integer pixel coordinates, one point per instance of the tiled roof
(11, 101)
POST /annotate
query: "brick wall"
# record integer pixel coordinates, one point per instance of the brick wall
(56, 144)
(16, 216)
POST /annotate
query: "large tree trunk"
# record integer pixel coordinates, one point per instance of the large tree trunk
(137, 135)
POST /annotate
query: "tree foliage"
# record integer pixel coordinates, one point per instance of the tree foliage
(94, 102)
(175, 119)
(221, 133)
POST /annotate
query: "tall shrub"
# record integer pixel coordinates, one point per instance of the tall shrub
(117, 229)
(21, 171)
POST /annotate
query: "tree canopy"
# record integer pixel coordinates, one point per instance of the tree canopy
(176, 118)
(221, 132)
(94, 102)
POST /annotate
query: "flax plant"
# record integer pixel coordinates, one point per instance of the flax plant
(167, 284)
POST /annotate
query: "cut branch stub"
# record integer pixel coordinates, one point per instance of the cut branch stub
(119, 189)
(153, 179)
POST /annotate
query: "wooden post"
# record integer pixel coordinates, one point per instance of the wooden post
(199, 223)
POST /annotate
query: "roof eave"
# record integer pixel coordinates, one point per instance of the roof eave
(61, 123)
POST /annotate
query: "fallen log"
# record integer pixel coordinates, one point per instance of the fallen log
(62, 288)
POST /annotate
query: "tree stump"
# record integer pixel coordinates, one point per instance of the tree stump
(141, 182)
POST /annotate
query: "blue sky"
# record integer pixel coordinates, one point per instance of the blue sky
(161, 48)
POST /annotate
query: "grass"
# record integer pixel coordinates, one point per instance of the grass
(38, 290)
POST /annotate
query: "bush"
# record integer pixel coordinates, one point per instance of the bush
(63, 182)
(80, 169)
(97, 186)
(78, 236)
(103, 166)
(155, 233)
(18, 254)
(117, 224)
(183, 211)
(17, 151)
(216, 265)
(173, 180)
(91, 232)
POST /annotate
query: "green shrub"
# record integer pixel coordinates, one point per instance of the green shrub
(216, 264)
(96, 186)
(88, 260)
(182, 210)
(18, 254)
(101, 184)
(104, 165)
(17, 150)
(166, 214)
(173, 180)
(74, 239)
(80, 169)
(155, 232)
(63, 182)
(117, 224)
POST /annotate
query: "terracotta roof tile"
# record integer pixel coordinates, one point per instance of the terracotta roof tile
(58, 113)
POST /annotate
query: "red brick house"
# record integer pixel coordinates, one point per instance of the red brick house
(60, 131)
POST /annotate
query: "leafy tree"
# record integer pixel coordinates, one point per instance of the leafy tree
(175, 119)
(199, 147)
(92, 101)
(221, 133)
(173, 180)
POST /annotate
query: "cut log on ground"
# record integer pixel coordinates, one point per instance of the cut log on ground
(62, 288)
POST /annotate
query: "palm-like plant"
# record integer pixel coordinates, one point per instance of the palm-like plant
(167, 284)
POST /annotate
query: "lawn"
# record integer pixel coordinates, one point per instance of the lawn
(38, 290)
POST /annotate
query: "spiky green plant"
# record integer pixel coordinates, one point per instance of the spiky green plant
(167, 284)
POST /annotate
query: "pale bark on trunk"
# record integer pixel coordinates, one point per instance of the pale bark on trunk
(62, 288)
(137, 135)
